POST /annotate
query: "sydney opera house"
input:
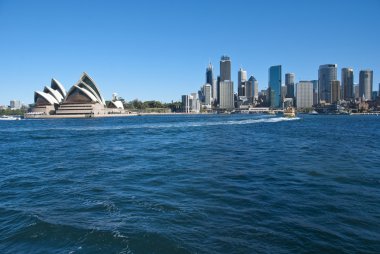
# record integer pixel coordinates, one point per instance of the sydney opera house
(82, 100)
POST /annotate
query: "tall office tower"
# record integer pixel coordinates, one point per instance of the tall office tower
(207, 95)
(335, 91)
(378, 91)
(284, 91)
(242, 78)
(275, 86)
(218, 90)
(347, 83)
(315, 91)
(304, 94)
(289, 83)
(210, 79)
(255, 88)
(326, 74)
(226, 100)
(186, 103)
(249, 89)
(365, 84)
(225, 68)
(356, 90)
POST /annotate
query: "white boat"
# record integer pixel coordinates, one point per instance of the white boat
(10, 118)
(313, 112)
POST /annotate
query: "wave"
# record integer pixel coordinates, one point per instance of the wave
(262, 119)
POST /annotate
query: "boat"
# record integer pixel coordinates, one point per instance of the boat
(10, 118)
(313, 112)
(289, 112)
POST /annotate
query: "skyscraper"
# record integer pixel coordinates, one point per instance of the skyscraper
(226, 100)
(211, 80)
(242, 78)
(226, 86)
(326, 74)
(347, 83)
(252, 88)
(275, 86)
(335, 91)
(315, 91)
(304, 94)
(289, 83)
(356, 90)
(207, 95)
(225, 68)
(365, 84)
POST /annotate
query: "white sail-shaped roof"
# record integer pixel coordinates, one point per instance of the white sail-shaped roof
(57, 95)
(83, 92)
(46, 97)
(90, 82)
(56, 85)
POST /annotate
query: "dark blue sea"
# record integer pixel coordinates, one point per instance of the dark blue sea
(191, 184)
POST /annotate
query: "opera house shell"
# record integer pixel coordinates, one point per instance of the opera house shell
(82, 100)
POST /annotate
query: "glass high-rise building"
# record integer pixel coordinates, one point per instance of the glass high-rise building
(225, 68)
(347, 83)
(326, 74)
(211, 80)
(365, 84)
(275, 81)
(289, 83)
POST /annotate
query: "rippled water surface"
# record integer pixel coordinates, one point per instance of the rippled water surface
(191, 184)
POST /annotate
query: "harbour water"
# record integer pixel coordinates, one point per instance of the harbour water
(191, 184)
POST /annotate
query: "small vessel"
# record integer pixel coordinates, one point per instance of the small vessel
(289, 112)
(10, 118)
(313, 112)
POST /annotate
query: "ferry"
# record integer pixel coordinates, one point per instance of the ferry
(289, 112)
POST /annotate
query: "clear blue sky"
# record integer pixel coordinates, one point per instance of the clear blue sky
(159, 49)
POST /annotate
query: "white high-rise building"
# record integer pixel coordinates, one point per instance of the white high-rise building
(304, 94)
(207, 91)
(226, 100)
(15, 104)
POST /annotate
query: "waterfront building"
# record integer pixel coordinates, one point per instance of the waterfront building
(242, 78)
(207, 91)
(365, 84)
(186, 103)
(15, 104)
(255, 88)
(326, 74)
(275, 81)
(356, 90)
(347, 83)
(304, 94)
(84, 99)
(226, 100)
(225, 68)
(289, 83)
(335, 91)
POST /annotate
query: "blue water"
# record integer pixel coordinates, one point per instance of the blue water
(191, 184)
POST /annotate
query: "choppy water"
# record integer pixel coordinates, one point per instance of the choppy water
(191, 184)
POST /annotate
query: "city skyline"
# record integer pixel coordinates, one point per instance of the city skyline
(160, 56)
